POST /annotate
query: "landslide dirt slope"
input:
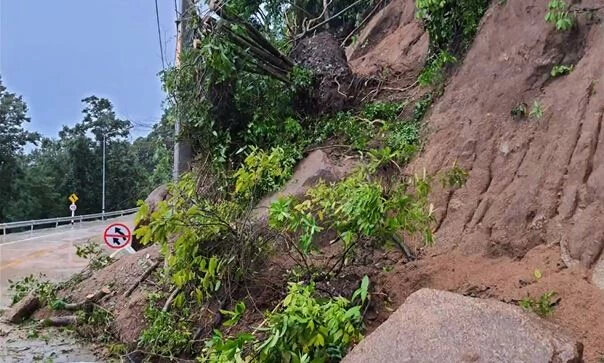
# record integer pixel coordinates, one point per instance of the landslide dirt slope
(535, 180)
(534, 198)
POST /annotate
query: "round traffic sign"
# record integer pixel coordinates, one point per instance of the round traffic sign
(117, 235)
(73, 207)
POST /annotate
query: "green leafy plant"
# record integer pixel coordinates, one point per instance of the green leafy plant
(558, 14)
(301, 77)
(544, 306)
(45, 290)
(235, 315)
(167, 334)
(263, 172)
(355, 208)
(91, 251)
(219, 349)
(310, 329)
(519, 111)
(434, 72)
(451, 26)
(561, 70)
(354, 130)
(302, 328)
(404, 139)
(101, 319)
(386, 111)
(536, 110)
(455, 177)
(421, 107)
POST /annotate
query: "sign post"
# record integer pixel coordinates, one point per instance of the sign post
(73, 198)
(72, 208)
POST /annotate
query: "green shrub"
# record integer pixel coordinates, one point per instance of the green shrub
(263, 172)
(421, 107)
(536, 110)
(559, 15)
(386, 111)
(450, 21)
(167, 334)
(303, 328)
(561, 70)
(434, 72)
(354, 208)
(92, 252)
(309, 329)
(544, 306)
(455, 177)
(45, 290)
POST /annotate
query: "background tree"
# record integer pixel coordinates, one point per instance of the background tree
(13, 136)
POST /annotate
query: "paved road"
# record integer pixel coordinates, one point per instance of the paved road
(48, 251)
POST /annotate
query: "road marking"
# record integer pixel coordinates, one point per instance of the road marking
(25, 258)
(32, 238)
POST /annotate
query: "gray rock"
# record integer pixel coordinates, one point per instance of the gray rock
(23, 309)
(439, 326)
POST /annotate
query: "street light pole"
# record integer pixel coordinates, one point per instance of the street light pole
(103, 206)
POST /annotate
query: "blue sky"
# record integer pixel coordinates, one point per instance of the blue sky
(54, 53)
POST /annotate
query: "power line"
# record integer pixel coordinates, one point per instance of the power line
(161, 46)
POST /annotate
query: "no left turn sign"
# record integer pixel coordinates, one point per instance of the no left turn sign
(117, 236)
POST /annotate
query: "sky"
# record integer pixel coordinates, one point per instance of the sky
(55, 53)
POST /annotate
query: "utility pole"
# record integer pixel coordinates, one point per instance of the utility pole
(103, 203)
(182, 147)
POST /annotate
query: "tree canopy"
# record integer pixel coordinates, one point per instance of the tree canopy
(36, 185)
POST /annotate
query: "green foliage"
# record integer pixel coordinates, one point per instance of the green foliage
(301, 77)
(404, 139)
(71, 163)
(308, 329)
(92, 251)
(434, 72)
(45, 290)
(386, 111)
(421, 107)
(544, 306)
(354, 208)
(99, 318)
(167, 334)
(519, 111)
(263, 172)
(449, 22)
(198, 225)
(13, 136)
(219, 349)
(455, 177)
(351, 129)
(561, 70)
(536, 110)
(235, 315)
(559, 15)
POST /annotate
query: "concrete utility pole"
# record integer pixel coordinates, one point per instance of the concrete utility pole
(182, 147)
(103, 203)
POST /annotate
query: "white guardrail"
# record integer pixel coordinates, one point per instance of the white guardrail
(56, 221)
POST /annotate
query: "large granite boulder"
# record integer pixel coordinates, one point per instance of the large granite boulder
(440, 326)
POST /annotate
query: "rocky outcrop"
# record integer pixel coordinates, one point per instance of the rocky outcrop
(393, 44)
(439, 326)
(158, 195)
